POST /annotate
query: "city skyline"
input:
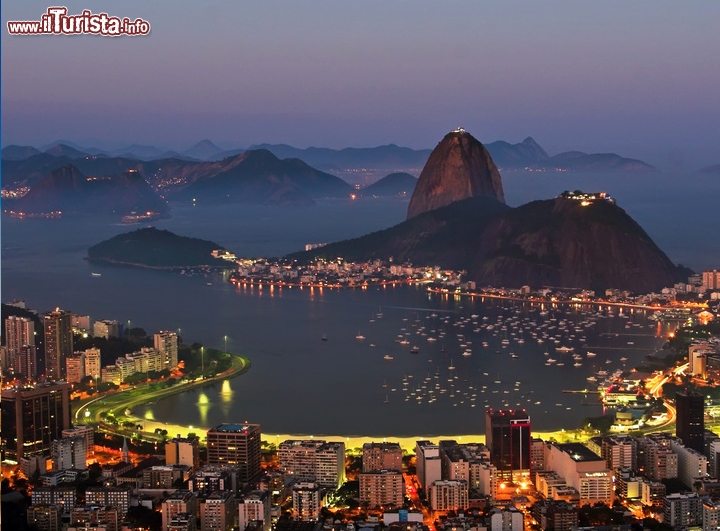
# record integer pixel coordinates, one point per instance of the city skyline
(633, 79)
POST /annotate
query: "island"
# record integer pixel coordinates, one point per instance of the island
(161, 249)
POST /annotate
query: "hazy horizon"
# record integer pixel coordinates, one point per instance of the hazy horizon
(635, 79)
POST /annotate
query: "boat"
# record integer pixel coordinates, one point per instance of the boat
(96, 274)
(359, 336)
(387, 357)
(564, 349)
(414, 349)
(577, 364)
(323, 337)
(451, 367)
(467, 353)
(591, 354)
(387, 400)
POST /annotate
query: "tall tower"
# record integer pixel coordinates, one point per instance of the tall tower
(19, 331)
(167, 344)
(58, 342)
(507, 435)
(690, 422)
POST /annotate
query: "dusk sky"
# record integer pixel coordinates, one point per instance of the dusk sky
(638, 78)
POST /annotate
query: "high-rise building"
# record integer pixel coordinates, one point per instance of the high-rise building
(167, 344)
(45, 517)
(507, 435)
(34, 417)
(83, 431)
(217, 512)
(93, 363)
(428, 464)
(381, 456)
(20, 343)
(711, 279)
(69, 453)
(314, 460)
(237, 445)
(306, 501)
(382, 488)
(180, 501)
(690, 421)
(19, 331)
(183, 451)
(58, 342)
(683, 510)
(25, 362)
(448, 495)
(254, 506)
(75, 367)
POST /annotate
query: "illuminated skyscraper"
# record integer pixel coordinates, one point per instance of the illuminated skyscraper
(58, 342)
(507, 435)
(34, 417)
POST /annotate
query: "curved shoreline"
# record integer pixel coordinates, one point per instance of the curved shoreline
(90, 411)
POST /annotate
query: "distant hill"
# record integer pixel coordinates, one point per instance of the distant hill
(203, 150)
(383, 157)
(394, 184)
(259, 177)
(526, 153)
(151, 247)
(62, 150)
(13, 152)
(67, 190)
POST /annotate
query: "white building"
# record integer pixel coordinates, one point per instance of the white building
(582, 470)
(167, 344)
(507, 519)
(316, 461)
(69, 452)
(691, 463)
(86, 432)
(428, 464)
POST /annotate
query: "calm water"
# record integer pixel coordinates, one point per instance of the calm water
(344, 386)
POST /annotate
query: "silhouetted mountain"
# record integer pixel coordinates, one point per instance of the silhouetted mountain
(557, 242)
(527, 153)
(203, 150)
(459, 167)
(571, 243)
(384, 157)
(597, 162)
(151, 247)
(138, 151)
(444, 236)
(260, 177)
(14, 152)
(30, 171)
(67, 190)
(62, 150)
(710, 169)
(394, 184)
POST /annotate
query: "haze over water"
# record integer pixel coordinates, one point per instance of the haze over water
(300, 384)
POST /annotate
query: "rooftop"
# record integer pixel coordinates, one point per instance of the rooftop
(579, 452)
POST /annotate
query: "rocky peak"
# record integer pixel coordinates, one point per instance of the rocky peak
(458, 168)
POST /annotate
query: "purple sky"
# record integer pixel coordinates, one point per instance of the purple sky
(639, 78)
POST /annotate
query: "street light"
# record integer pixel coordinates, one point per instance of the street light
(202, 359)
(225, 344)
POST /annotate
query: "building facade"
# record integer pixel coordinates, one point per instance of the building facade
(57, 326)
(236, 445)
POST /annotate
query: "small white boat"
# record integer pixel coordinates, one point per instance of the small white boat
(387, 357)
(591, 354)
